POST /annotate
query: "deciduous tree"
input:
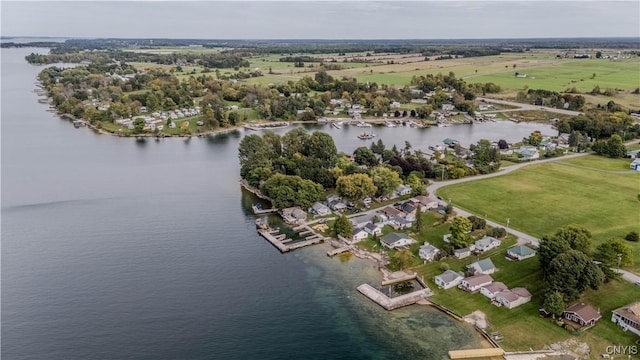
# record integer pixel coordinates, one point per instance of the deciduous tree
(355, 187)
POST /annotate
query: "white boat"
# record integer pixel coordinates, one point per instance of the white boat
(366, 136)
(389, 124)
(337, 125)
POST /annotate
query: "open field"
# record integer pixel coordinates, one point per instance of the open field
(539, 199)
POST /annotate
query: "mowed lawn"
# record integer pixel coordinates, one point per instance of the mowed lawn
(594, 192)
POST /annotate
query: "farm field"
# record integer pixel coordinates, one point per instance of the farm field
(597, 193)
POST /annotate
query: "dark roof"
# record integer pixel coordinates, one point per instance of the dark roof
(585, 311)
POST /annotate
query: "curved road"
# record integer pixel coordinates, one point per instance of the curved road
(522, 237)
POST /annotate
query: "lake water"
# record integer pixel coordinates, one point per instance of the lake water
(116, 249)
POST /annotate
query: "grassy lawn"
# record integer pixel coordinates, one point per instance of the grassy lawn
(522, 327)
(541, 198)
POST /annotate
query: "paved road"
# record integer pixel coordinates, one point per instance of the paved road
(525, 107)
(522, 237)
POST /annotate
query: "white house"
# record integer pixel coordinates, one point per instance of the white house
(635, 164)
(512, 298)
(493, 289)
(487, 243)
(400, 223)
(475, 282)
(628, 318)
(428, 252)
(394, 240)
(373, 229)
(319, 209)
(484, 266)
(358, 235)
(528, 153)
(448, 279)
(462, 253)
(448, 107)
(403, 190)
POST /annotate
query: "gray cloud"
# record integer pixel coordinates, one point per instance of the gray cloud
(321, 19)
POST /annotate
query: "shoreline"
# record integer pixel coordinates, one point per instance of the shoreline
(386, 274)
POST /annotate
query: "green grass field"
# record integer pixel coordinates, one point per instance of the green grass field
(541, 198)
(521, 327)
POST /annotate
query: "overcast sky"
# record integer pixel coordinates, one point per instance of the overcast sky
(321, 19)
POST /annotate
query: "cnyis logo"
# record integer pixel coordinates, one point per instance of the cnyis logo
(622, 350)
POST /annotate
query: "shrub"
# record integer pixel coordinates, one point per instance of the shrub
(497, 233)
(632, 236)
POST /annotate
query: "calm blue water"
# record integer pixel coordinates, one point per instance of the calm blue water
(114, 249)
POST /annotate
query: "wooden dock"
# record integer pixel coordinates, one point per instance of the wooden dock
(337, 251)
(259, 211)
(274, 240)
(475, 353)
(284, 244)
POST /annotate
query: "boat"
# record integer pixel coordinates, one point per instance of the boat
(363, 124)
(260, 225)
(337, 125)
(389, 124)
(366, 136)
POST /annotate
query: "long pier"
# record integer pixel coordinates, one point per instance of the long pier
(337, 251)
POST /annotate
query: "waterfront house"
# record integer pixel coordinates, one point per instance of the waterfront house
(293, 215)
(520, 252)
(358, 235)
(448, 279)
(475, 282)
(319, 209)
(487, 243)
(462, 253)
(400, 223)
(493, 289)
(402, 190)
(373, 229)
(428, 252)
(628, 318)
(484, 266)
(512, 298)
(394, 240)
(582, 314)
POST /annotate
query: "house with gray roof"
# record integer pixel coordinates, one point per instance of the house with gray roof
(462, 253)
(358, 235)
(520, 252)
(487, 243)
(394, 240)
(373, 229)
(484, 266)
(319, 209)
(400, 223)
(448, 279)
(428, 252)
(403, 189)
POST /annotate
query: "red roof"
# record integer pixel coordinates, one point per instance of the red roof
(585, 311)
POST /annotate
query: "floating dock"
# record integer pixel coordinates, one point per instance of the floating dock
(393, 303)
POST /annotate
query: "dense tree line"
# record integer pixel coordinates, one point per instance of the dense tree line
(552, 99)
(570, 266)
